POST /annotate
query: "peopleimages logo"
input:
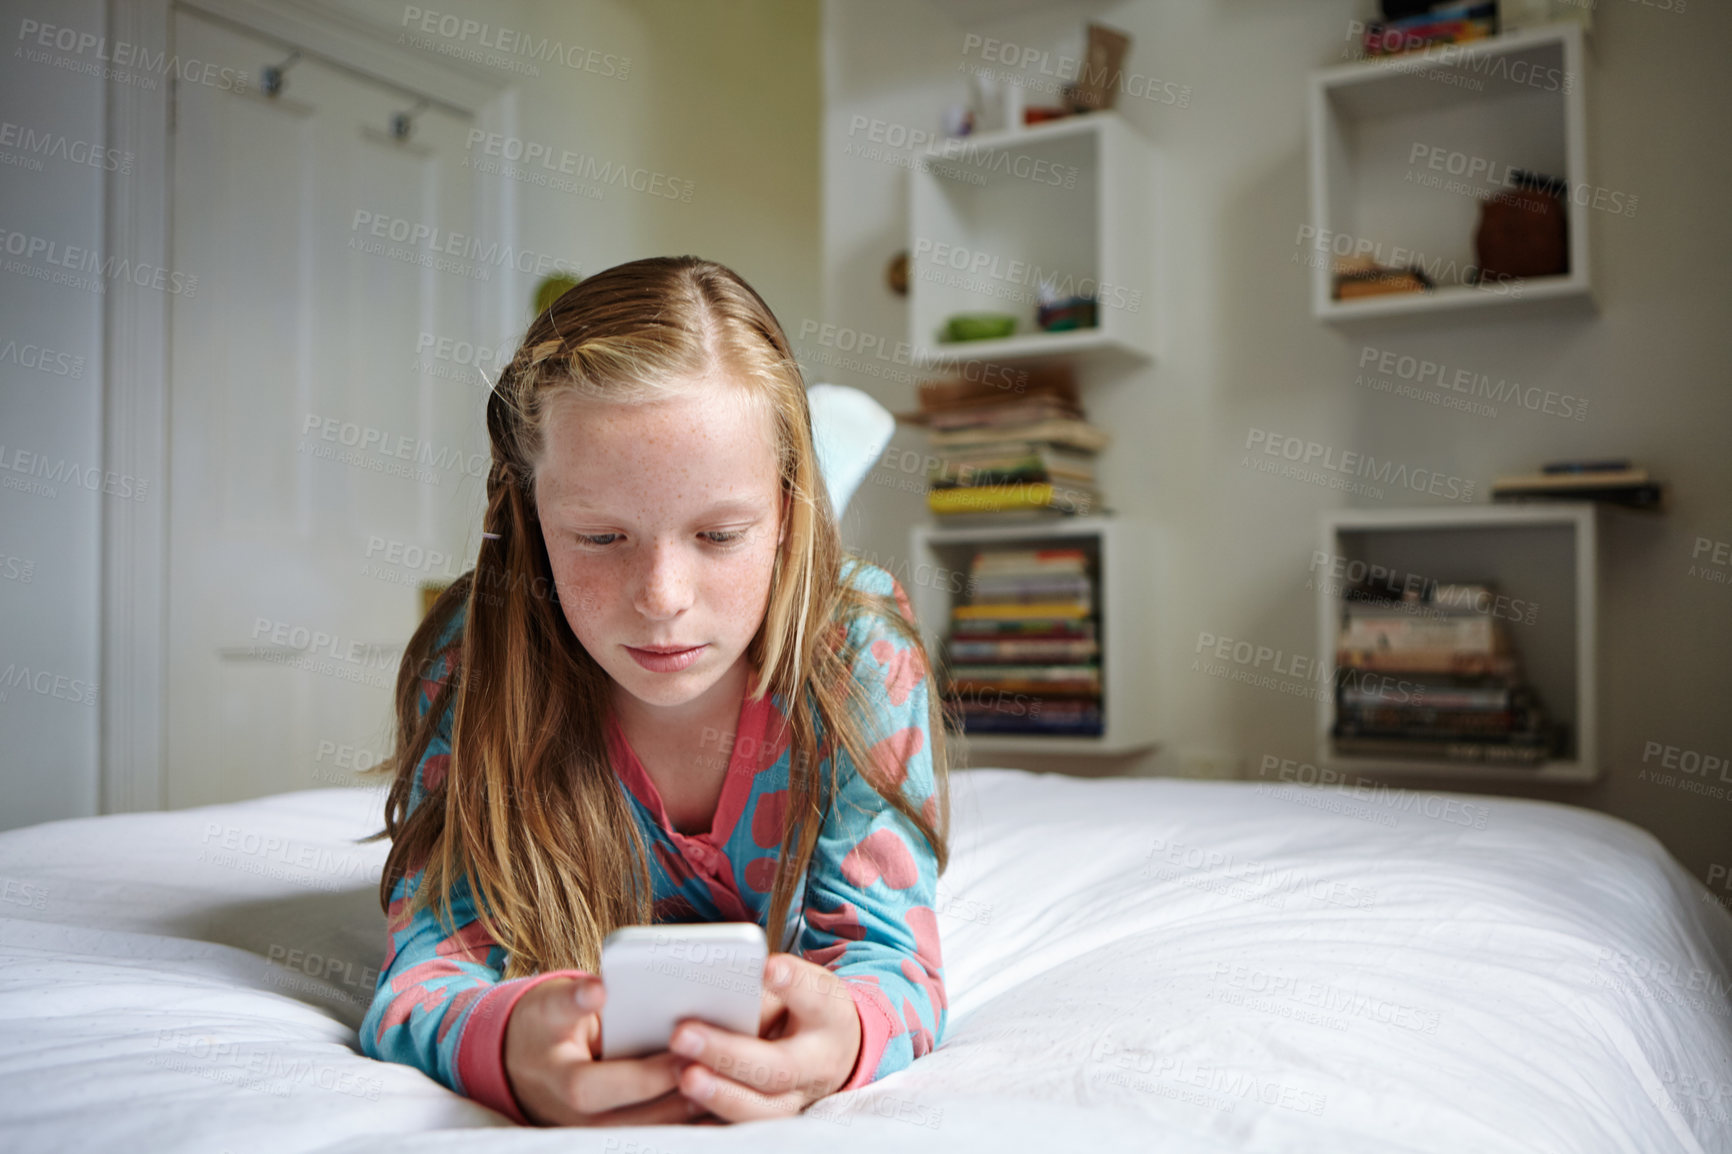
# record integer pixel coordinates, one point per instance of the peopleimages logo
(45, 473)
(991, 273)
(426, 241)
(1327, 243)
(420, 457)
(509, 43)
(1419, 371)
(1456, 63)
(1331, 462)
(1477, 169)
(963, 150)
(59, 146)
(1051, 73)
(42, 359)
(84, 268)
(120, 61)
(538, 160)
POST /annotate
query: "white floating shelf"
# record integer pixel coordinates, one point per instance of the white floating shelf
(1545, 554)
(1403, 148)
(1068, 203)
(1087, 345)
(1560, 290)
(1117, 546)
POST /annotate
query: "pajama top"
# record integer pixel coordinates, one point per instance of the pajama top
(865, 910)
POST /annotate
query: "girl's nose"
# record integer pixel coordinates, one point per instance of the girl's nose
(663, 588)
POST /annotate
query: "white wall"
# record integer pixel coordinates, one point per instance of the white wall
(1242, 352)
(50, 590)
(726, 98)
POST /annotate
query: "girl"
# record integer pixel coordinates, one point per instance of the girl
(662, 694)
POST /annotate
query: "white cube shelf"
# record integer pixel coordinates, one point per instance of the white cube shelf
(991, 216)
(1540, 553)
(1515, 101)
(1117, 553)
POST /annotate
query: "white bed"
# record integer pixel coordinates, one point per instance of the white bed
(1131, 965)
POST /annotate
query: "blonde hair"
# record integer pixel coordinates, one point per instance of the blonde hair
(529, 810)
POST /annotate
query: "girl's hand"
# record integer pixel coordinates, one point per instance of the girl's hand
(552, 1040)
(808, 1044)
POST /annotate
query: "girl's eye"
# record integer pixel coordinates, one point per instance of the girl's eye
(601, 540)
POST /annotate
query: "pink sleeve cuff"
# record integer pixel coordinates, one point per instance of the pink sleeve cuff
(876, 1028)
(481, 1049)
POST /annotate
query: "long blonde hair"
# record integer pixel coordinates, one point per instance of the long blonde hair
(530, 810)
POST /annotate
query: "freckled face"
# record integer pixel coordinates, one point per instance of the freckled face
(662, 522)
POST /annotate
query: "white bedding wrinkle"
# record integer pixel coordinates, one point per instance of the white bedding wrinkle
(1132, 965)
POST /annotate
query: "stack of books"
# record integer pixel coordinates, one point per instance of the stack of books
(1446, 23)
(1009, 454)
(1363, 277)
(1614, 482)
(1434, 676)
(1023, 656)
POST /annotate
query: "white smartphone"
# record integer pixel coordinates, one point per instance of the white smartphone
(657, 975)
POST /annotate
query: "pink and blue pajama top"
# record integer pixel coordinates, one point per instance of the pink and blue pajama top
(867, 911)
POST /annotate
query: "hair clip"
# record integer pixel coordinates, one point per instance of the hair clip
(490, 536)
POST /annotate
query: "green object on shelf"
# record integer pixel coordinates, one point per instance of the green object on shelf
(551, 290)
(979, 326)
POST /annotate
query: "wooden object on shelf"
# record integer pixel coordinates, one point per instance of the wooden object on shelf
(1523, 232)
(1097, 84)
(896, 274)
(1365, 278)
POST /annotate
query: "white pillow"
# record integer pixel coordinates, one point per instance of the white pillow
(851, 431)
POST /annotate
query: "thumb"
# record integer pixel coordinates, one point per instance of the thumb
(588, 996)
(808, 990)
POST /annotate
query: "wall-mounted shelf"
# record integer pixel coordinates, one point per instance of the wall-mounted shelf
(1511, 102)
(1069, 201)
(1084, 348)
(1543, 556)
(1117, 553)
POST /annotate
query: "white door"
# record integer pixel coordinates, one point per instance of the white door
(324, 462)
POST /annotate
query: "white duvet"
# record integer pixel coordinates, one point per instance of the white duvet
(1131, 965)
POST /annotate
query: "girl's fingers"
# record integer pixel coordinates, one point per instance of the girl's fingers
(765, 1066)
(577, 1013)
(733, 1102)
(671, 1108)
(600, 1087)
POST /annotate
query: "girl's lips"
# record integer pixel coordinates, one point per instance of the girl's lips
(665, 662)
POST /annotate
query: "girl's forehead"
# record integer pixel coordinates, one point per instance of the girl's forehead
(705, 400)
(697, 442)
(706, 422)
